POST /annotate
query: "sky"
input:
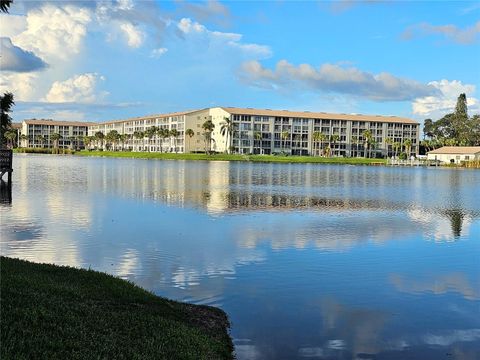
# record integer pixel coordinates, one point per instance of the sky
(104, 60)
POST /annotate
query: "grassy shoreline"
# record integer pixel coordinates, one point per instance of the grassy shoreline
(234, 157)
(55, 312)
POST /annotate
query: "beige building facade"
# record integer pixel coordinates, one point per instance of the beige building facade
(454, 154)
(38, 133)
(251, 131)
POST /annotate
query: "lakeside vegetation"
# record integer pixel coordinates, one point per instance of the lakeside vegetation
(54, 312)
(234, 157)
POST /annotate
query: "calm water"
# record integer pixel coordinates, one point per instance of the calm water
(309, 261)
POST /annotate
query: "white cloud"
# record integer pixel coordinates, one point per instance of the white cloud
(189, 29)
(22, 85)
(334, 78)
(465, 36)
(11, 25)
(80, 88)
(53, 32)
(16, 59)
(445, 100)
(156, 53)
(133, 34)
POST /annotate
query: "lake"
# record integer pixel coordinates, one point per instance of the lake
(309, 261)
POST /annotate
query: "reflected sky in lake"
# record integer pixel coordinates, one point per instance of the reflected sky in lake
(309, 261)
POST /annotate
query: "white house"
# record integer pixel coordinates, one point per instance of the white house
(455, 154)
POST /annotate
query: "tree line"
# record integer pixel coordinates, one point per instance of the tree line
(454, 129)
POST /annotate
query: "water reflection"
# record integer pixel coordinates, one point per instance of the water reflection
(309, 261)
(5, 193)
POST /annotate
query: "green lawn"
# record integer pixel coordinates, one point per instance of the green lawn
(52, 312)
(233, 157)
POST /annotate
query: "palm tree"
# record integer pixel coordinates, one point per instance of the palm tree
(72, 140)
(285, 135)
(6, 104)
(226, 129)
(208, 127)
(113, 137)
(40, 139)
(174, 133)
(138, 135)
(99, 136)
(164, 134)
(55, 137)
(355, 142)
(316, 139)
(323, 138)
(190, 133)
(334, 138)
(408, 146)
(24, 140)
(5, 5)
(367, 138)
(257, 137)
(389, 142)
(87, 140)
(10, 136)
(396, 146)
(150, 133)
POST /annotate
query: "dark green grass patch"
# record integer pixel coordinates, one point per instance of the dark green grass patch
(52, 312)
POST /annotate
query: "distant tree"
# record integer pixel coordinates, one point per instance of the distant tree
(99, 137)
(367, 138)
(226, 129)
(408, 146)
(40, 139)
(285, 135)
(396, 146)
(113, 137)
(23, 140)
(55, 137)
(208, 127)
(190, 133)
(428, 128)
(6, 104)
(150, 133)
(138, 135)
(334, 138)
(316, 136)
(174, 134)
(10, 135)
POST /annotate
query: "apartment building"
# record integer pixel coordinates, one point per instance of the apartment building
(309, 133)
(135, 127)
(38, 133)
(252, 131)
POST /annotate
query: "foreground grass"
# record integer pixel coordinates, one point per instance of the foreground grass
(52, 312)
(233, 157)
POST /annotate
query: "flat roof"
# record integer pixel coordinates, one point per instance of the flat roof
(318, 115)
(57, 122)
(458, 150)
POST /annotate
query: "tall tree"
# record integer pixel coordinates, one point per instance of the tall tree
(190, 133)
(174, 134)
(6, 104)
(226, 129)
(285, 135)
(208, 127)
(55, 137)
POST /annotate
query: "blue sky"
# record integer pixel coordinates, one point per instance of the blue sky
(102, 60)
